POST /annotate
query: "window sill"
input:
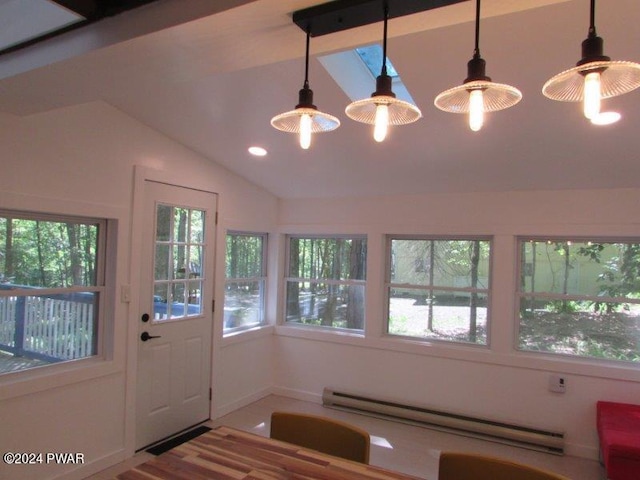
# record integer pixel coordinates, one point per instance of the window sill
(321, 334)
(583, 366)
(586, 367)
(40, 379)
(247, 335)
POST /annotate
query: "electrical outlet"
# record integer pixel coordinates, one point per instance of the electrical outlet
(557, 383)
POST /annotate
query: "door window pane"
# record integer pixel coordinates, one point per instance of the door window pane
(179, 247)
(196, 231)
(163, 223)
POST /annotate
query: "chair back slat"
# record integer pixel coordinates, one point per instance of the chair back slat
(465, 466)
(322, 434)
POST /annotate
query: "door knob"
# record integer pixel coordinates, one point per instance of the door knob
(144, 336)
(145, 317)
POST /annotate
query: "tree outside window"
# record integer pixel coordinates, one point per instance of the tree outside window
(438, 288)
(326, 281)
(245, 281)
(580, 297)
(51, 285)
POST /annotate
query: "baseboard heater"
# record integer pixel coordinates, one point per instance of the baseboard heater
(526, 437)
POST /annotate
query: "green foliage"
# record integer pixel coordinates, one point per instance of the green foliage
(328, 258)
(593, 251)
(611, 336)
(47, 253)
(619, 275)
(563, 306)
(244, 256)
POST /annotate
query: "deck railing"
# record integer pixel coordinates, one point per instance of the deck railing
(48, 326)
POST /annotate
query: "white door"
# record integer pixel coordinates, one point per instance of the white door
(175, 318)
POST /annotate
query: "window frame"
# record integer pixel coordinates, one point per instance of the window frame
(263, 282)
(101, 341)
(519, 295)
(388, 286)
(347, 282)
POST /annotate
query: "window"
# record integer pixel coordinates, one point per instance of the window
(51, 289)
(580, 298)
(371, 55)
(245, 281)
(179, 258)
(355, 71)
(30, 19)
(326, 281)
(438, 289)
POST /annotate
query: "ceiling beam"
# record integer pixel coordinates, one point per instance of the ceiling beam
(94, 10)
(341, 15)
(91, 10)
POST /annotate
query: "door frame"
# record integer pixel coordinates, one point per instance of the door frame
(142, 175)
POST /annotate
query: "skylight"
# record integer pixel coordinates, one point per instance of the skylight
(355, 72)
(372, 58)
(24, 20)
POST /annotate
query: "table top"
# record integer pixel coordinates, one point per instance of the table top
(228, 453)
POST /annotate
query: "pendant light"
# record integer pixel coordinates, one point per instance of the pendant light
(478, 94)
(306, 119)
(594, 77)
(383, 108)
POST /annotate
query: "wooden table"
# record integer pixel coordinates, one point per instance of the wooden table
(227, 453)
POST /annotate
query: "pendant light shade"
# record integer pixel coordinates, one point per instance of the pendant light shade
(383, 108)
(478, 94)
(306, 119)
(594, 77)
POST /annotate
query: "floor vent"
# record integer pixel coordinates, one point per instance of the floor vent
(526, 437)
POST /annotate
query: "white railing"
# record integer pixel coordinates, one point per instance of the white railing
(52, 327)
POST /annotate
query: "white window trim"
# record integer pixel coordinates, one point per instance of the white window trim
(233, 333)
(589, 362)
(388, 285)
(319, 331)
(106, 361)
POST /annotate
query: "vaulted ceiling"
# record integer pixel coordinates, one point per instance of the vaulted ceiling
(210, 75)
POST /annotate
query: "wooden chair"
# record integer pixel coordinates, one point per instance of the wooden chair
(323, 434)
(466, 466)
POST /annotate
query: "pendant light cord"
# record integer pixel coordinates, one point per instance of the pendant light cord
(592, 22)
(384, 40)
(476, 51)
(306, 63)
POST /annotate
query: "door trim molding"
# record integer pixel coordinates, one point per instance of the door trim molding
(141, 175)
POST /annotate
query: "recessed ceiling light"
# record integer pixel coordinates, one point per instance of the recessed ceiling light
(606, 118)
(257, 151)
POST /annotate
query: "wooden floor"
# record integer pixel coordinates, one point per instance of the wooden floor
(404, 448)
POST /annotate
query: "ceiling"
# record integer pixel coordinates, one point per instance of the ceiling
(210, 75)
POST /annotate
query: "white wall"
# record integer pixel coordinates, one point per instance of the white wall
(497, 382)
(81, 160)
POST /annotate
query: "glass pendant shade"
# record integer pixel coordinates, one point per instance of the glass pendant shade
(466, 97)
(595, 76)
(496, 96)
(305, 119)
(383, 108)
(290, 121)
(399, 111)
(616, 78)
